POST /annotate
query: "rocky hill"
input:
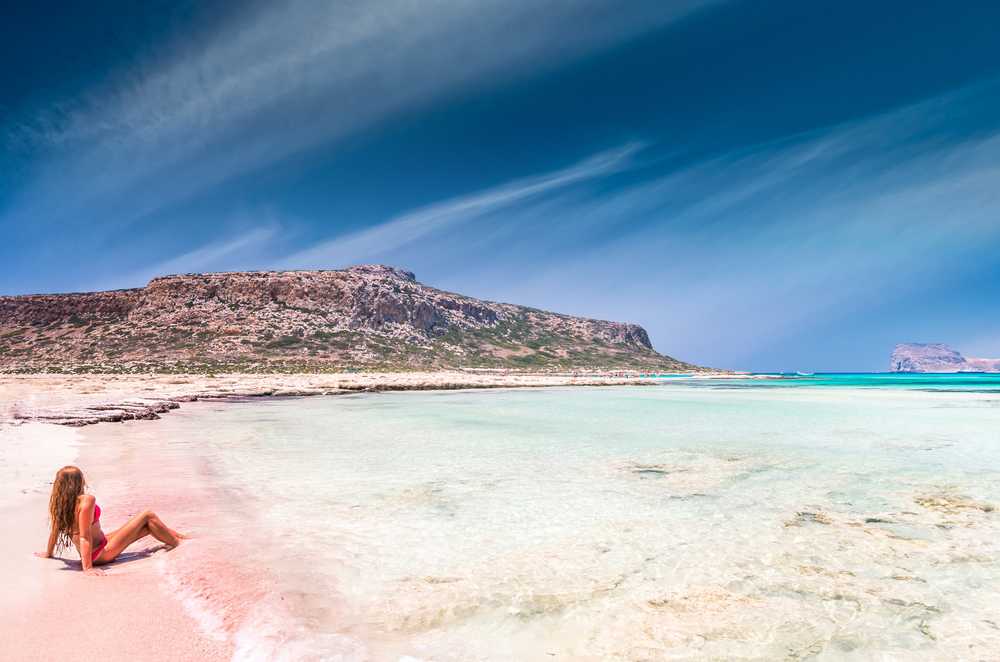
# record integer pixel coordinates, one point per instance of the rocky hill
(370, 316)
(937, 357)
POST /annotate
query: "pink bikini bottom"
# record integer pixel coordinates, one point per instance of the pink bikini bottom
(97, 550)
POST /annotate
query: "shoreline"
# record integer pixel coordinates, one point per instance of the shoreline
(88, 399)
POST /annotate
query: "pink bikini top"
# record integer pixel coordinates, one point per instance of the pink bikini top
(97, 513)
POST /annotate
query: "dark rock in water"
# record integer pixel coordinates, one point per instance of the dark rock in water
(877, 520)
(654, 470)
(649, 473)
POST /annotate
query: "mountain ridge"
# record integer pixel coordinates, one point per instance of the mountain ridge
(366, 316)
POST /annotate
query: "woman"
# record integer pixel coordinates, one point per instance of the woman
(76, 518)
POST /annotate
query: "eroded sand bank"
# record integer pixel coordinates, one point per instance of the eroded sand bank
(87, 399)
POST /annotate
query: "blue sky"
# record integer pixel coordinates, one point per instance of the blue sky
(764, 186)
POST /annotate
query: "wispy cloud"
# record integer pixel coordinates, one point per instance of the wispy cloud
(397, 233)
(284, 78)
(233, 253)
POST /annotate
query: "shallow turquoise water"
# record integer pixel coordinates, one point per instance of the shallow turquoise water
(969, 382)
(645, 523)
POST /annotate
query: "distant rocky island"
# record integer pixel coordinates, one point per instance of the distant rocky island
(364, 317)
(937, 357)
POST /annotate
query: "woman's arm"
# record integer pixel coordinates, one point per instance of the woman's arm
(51, 546)
(84, 522)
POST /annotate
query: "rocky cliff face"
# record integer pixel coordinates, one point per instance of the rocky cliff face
(937, 357)
(367, 316)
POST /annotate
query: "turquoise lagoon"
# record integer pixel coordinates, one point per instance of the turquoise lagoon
(971, 382)
(827, 517)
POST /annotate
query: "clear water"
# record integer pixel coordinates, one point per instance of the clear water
(645, 523)
(962, 382)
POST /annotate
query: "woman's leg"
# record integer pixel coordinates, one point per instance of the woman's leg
(144, 524)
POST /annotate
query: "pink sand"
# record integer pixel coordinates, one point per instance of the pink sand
(52, 611)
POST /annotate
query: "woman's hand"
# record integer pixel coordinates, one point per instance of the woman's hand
(51, 546)
(94, 572)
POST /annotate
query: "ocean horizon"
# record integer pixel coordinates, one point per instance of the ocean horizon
(967, 382)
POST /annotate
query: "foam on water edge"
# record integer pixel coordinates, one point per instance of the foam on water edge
(239, 604)
(197, 606)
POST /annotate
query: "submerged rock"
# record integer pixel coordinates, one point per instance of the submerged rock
(654, 470)
(952, 504)
(809, 517)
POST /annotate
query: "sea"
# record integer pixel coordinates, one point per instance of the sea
(766, 517)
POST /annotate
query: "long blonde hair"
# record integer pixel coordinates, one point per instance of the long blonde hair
(66, 490)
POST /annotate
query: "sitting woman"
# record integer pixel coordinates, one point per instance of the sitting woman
(76, 518)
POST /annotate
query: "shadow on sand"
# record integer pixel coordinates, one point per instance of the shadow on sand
(123, 558)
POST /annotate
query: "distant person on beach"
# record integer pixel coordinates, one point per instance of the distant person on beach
(76, 518)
